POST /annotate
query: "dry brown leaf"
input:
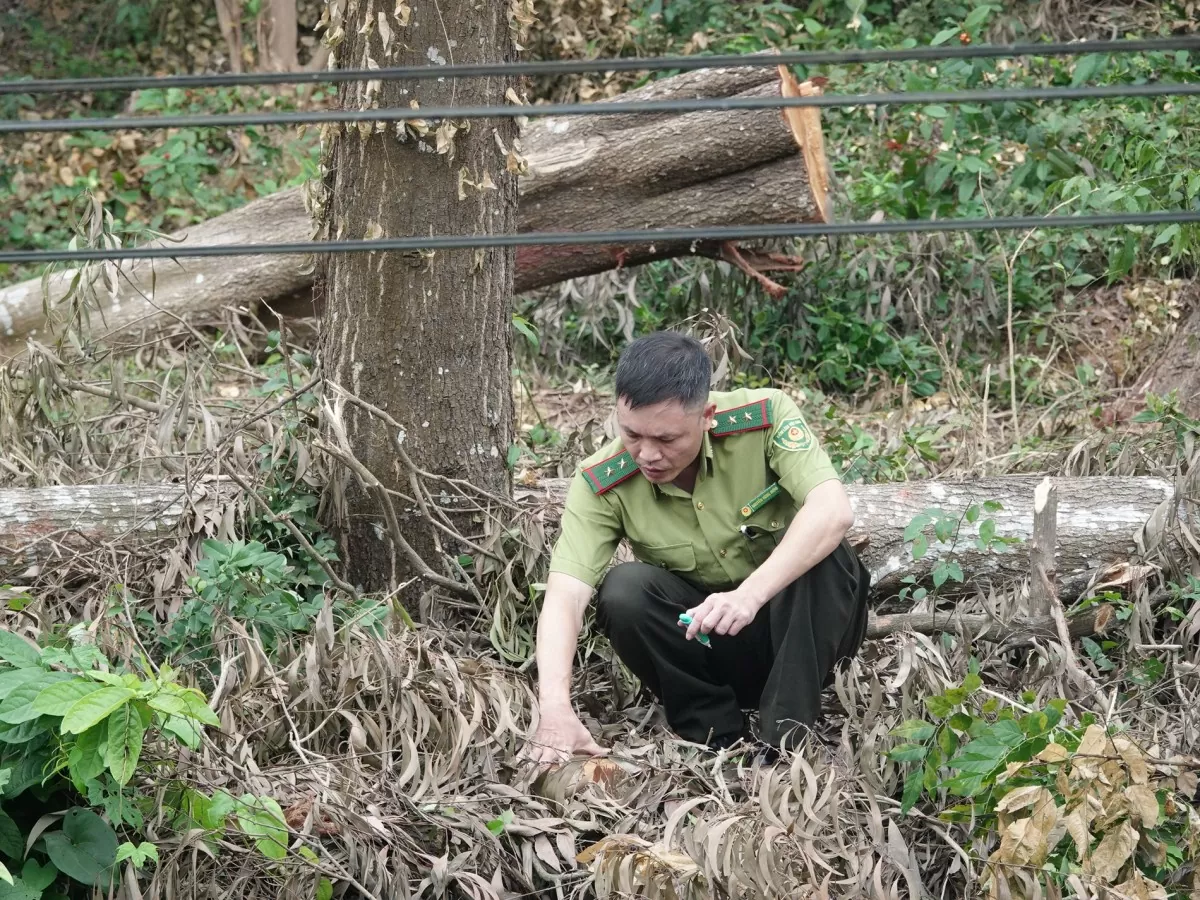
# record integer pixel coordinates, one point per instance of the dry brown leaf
(1140, 887)
(1022, 797)
(1112, 853)
(1187, 781)
(1078, 822)
(1131, 754)
(1053, 753)
(1143, 804)
(1019, 843)
(1095, 745)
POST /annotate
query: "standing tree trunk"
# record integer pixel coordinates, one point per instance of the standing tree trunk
(424, 337)
(278, 47)
(229, 18)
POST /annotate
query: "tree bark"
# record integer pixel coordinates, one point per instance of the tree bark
(424, 337)
(38, 524)
(229, 19)
(1099, 519)
(607, 172)
(681, 170)
(1042, 568)
(1099, 523)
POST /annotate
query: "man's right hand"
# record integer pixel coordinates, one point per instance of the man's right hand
(560, 735)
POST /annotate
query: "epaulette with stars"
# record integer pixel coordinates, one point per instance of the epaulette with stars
(608, 473)
(751, 417)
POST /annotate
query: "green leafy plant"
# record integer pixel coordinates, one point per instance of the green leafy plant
(1045, 800)
(944, 528)
(75, 737)
(244, 581)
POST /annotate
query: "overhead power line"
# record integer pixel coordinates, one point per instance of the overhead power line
(612, 107)
(618, 64)
(616, 238)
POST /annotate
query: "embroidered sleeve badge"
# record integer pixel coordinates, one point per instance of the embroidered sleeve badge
(793, 434)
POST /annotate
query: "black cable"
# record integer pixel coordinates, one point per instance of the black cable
(618, 64)
(642, 236)
(612, 107)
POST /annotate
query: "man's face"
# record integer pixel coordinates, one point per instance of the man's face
(664, 439)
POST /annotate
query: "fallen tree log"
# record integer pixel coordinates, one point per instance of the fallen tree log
(1100, 522)
(38, 525)
(609, 172)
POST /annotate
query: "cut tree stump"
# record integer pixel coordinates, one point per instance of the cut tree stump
(736, 167)
(1099, 521)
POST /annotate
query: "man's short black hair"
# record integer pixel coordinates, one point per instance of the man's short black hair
(664, 365)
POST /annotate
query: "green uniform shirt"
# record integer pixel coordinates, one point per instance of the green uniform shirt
(759, 462)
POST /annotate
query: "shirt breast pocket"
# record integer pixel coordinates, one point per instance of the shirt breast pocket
(680, 557)
(762, 533)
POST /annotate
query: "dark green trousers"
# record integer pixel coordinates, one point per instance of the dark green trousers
(778, 664)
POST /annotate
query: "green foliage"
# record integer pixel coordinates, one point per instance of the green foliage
(248, 583)
(945, 528)
(74, 737)
(268, 580)
(497, 825)
(257, 587)
(72, 749)
(1177, 425)
(1061, 800)
(863, 311)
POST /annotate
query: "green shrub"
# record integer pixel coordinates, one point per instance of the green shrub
(1043, 802)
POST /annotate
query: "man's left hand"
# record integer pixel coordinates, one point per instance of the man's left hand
(725, 613)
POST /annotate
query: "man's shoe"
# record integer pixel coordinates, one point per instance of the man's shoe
(725, 741)
(768, 755)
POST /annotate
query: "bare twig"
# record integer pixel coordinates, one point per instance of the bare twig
(982, 627)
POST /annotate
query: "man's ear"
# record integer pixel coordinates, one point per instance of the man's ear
(709, 412)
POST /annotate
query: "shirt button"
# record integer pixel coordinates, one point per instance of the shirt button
(699, 506)
(774, 524)
(723, 553)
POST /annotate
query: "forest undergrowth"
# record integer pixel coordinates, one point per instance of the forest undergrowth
(214, 712)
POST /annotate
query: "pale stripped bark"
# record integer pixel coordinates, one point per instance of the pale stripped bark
(609, 172)
(423, 337)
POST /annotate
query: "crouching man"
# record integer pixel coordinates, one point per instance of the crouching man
(738, 520)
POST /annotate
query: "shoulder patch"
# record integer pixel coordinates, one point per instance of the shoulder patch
(751, 417)
(793, 434)
(608, 473)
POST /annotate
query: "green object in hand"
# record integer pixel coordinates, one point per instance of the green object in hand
(685, 619)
